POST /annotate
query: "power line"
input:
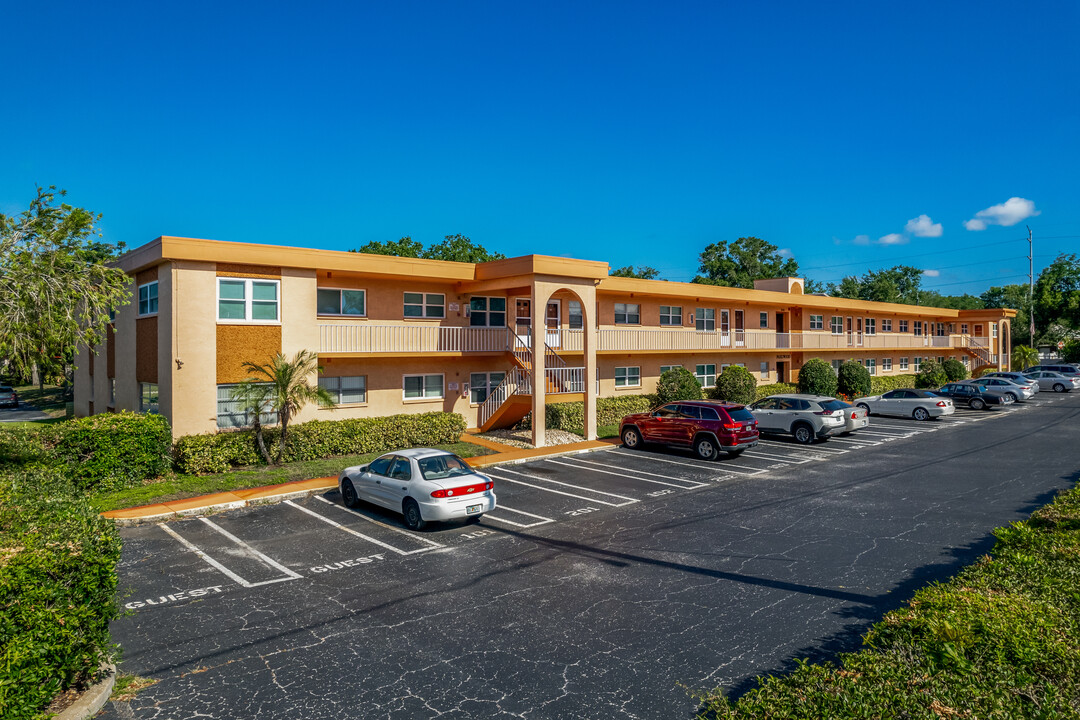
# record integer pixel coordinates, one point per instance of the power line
(980, 280)
(937, 252)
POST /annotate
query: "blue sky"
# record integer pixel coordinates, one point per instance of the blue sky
(635, 133)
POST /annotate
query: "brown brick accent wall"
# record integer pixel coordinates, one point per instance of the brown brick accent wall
(110, 351)
(237, 344)
(145, 276)
(146, 350)
(248, 271)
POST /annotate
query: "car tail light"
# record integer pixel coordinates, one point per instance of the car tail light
(732, 426)
(463, 490)
(942, 403)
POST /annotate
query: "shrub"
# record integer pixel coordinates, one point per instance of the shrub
(58, 586)
(884, 383)
(677, 384)
(764, 391)
(853, 380)
(735, 384)
(817, 378)
(609, 411)
(215, 453)
(931, 375)
(1071, 352)
(954, 370)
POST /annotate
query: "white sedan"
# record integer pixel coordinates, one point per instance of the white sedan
(918, 404)
(423, 484)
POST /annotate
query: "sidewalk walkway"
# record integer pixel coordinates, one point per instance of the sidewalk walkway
(233, 499)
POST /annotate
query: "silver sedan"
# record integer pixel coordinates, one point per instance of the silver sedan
(423, 484)
(918, 404)
(1054, 381)
(1019, 392)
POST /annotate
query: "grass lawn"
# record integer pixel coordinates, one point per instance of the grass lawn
(185, 486)
(49, 401)
(33, 423)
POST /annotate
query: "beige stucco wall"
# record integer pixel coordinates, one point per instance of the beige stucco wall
(82, 381)
(298, 331)
(193, 389)
(127, 389)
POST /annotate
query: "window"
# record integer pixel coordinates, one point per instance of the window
(916, 364)
(903, 325)
(964, 359)
(481, 385)
(941, 359)
(112, 391)
(491, 311)
(346, 390)
(963, 328)
(334, 301)
(627, 314)
(871, 365)
(918, 327)
(148, 298)
(423, 387)
(665, 368)
(886, 364)
(903, 363)
(817, 322)
(871, 326)
(248, 300)
(764, 369)
(993, 329)
(706, 375)
(886, 324)
(705, 319)
(763, 319)
(230, 412)
(425, 305)
(836, 324)
(671, 315)
(836, 366)
(627, 377)
(148, 398)
(575, 318)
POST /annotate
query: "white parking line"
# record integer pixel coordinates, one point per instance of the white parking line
(253, 551)
(543, 520)
(629, 501)
(406, 533)
(694, 484)
(892, 435)
(780, 458)
(226, 571)
(816, 448)
(362, 536)
(726, 467)
(856, 442)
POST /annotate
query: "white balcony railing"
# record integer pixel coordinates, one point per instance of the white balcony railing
(411, 339)
(676, 339)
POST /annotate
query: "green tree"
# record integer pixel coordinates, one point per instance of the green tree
(816, 377)
(813, 287)
(931, 375)
(56, 286)
(1056, 299)
(289, 389)
(642, 272)
(461, 249)
(254, 398)
(740, 263)
(1024, 357)
(1015, 297)
(735, 384)
(677, 384)
(954, 370)
(849, 287)
(405, 247)
(853, 380)
(1071, 352)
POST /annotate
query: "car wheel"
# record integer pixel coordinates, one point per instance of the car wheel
(705, 448)
(1014, 398)
(921, 414)
(804, 434)
(1059, 388)
(865, 407)
(631, 438)
(348, 494)
(978, 404)
(413, 519)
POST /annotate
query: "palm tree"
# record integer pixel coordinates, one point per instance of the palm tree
(1024, 356)
(254, 399)
(287, 387)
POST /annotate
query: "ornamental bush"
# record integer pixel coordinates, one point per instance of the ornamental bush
(677, 384)
(954, 370)
(931, 375)
(884, 383)
(1071, 352)
(735, 384)
(58, 586)
(764, 391)
(817, 378)
(609, 411)
(853, 380)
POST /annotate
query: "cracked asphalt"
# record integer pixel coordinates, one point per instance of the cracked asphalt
(611, 584)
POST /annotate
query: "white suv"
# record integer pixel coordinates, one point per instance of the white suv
(804, 417)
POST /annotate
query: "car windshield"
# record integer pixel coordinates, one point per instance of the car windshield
(443, 466)
(833, 405)
(741, 415)
(921, 393)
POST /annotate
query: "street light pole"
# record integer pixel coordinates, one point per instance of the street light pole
(1031, 288)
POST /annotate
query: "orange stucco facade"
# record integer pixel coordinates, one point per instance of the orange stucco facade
(404, 335)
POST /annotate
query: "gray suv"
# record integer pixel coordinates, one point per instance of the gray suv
(804, 417)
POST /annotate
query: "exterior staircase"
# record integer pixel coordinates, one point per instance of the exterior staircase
(979, 348)
(512, 399)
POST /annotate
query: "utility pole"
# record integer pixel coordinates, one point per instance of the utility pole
(1031, 288)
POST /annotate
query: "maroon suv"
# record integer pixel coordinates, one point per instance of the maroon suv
(707, 427)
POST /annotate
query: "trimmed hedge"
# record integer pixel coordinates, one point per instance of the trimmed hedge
(816, 377)
(609, 411)
(884, 383)
(853, 380)
(931, 375)
(217, 453)
(677, 384)
(764, 391)
(954, 370)
(999, 640)
(108, 451)
(735, 384)
(58, 585)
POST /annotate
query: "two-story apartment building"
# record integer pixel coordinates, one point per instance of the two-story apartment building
(402, 335)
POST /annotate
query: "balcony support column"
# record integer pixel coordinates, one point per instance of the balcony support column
(539, 376)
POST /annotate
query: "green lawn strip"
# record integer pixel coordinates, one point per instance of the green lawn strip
(999, 640)
(49, 401)
(185, 486)
(33, 423)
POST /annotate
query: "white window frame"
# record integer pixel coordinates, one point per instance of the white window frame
(903, 363)
(571, 322)
(964, 329)
(156, 299)
(339, 291)
(836, 366)
(916, 328)
(871, 365)
(145, 407)
(249, 301)
(903, 325)
(764, 369)
(817, 322)
(423, 385)
(836, 324)
(673, 316)
(870, 326)
(886, 364)
(993, 329)
(333, 385)
(700, 376)
(487, 311)
(268, 418)
(665, 368)
(631, 376)
(626, 313)
(763, 319)
(705, 319)
(916, 364)
(886, 324)
(424, 304)
(489, 386)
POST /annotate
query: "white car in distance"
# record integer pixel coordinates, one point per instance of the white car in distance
(909, 402)
(423, 484)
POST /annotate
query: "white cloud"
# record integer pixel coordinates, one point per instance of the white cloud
(923, 226)
(862, 240)
(931, 273)
(892, 239)
(1008, 213)
(784, 252)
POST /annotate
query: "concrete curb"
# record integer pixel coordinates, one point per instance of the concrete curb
(210, 509)
(92, 700)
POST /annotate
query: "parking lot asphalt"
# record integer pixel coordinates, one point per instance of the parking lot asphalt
(614, 583)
